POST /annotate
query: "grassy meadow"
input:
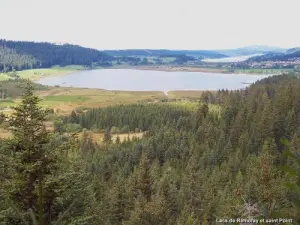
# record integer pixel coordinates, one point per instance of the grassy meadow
(98, 137)
(35, 74)
(184, 94)
(65, 99)
(263, 71)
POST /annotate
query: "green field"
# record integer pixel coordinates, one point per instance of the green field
(35, 74)
(65, 98)
(184, 104)
(7, 103)
(168, 59)
(4, 76)
(264, 71)
(185, 94)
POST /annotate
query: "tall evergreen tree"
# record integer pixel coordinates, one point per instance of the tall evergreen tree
(33, 162)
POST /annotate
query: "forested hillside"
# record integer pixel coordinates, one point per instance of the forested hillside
(20, 55)
(289, 55)
(163, 52)
(192, 166)
(250, 50)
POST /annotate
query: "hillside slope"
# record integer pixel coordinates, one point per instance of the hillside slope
(164, 53)
(290, 54)
(250, 50)
(21, 55)
(198, 164)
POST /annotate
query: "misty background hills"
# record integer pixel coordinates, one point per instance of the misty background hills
(20, 55)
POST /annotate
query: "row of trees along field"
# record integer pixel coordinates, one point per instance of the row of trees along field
(191, 167)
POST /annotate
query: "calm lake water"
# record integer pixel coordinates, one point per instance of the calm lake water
(145, 80)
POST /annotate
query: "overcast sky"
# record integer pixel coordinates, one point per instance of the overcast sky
(167, 24)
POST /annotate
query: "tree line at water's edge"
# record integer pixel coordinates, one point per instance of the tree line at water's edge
(190, 167)
(22, 55)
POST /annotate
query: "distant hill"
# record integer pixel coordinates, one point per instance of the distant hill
(164, 52)
(251, 50)
(21, 55)
(289, 54)
(292, 50)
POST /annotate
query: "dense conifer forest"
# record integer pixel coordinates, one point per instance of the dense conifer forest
(20, 55)
(192, 166)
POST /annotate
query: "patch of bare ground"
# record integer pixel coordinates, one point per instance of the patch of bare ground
(98, 137)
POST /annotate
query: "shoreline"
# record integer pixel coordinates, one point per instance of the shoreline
(37, 78)
(167, 68)
(37, 74)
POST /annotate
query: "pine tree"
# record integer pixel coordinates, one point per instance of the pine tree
(145, 180)
(118, 140)
(33, 162)
(73, 117)
(117, 203)
(107, 136)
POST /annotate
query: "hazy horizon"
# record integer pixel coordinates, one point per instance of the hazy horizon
(136, 24)
(173, 49)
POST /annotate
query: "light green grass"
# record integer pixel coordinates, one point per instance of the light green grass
(66, 98)
(151, 59)
(70, 67)
(4, 76)
(214, 108)
(35, 74)
(264, 71)
(185, 94)
(38, 73)
(7, 104)
(194, 105)
(168, 59)
(187, 105)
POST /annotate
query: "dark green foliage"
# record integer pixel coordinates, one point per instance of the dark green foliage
(129, 117)
(10, 59)
(32, 161)
(33, 188)
(107, 136)
(22, 55)
(164, 53)
(13, 88)
(190, 167)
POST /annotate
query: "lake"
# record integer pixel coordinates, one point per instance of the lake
(232, 59)
(145, 80)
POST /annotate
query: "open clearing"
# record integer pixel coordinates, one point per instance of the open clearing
(264, 71)
(185, 94)
(98, 137)
(64, 100)
(36, 74)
